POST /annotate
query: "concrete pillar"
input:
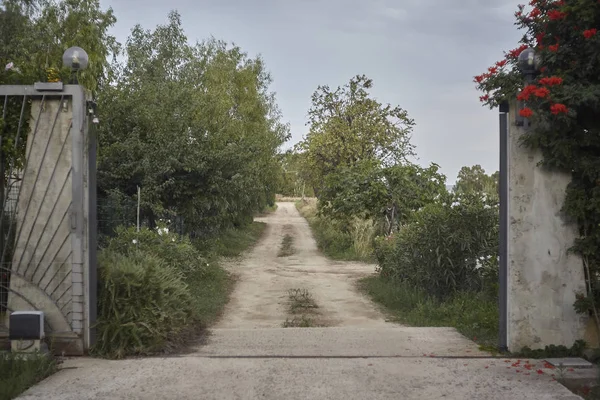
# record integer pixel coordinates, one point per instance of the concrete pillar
(48, 261)
(543, 278)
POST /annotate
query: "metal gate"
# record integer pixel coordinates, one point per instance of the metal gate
(48, 214)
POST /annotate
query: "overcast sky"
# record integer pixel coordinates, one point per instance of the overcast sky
(421, 55)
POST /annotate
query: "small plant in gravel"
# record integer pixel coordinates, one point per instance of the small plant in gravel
(287, 246)
(301, 300)
(303, 307)
(299, 322)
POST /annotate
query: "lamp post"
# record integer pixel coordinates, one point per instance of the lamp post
(529, 65)
(76, 59)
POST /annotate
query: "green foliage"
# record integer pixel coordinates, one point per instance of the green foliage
(475, 315)
(554, 351)
(18, 373)
(564, 100)
(475, 180)
(231, 242)
(142, 304)
(174, 250)
(449, 247)
(293, 177)
(347, 126)
(36, 33)
(369, 190)
(156, 287)
(194, 126)
(352, 240)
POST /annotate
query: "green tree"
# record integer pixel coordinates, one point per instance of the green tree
(348, 126)
(475, 180)
(35, 34)
(292, 176)
(194, 126)
(369, 190)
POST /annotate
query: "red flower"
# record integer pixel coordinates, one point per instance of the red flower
(555, 15)
(542, 92)
(539, 37)
(516, 52)
(540, 372)
(484, 98)
(589, 33)
(558, 108)
(501, 63)
(535, 13)
(551, 81)
(526, 92)
(553, 47)
(526, 112)
(492, 70)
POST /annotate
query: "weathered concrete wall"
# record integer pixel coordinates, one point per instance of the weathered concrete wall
(44, 277)
(543, 278)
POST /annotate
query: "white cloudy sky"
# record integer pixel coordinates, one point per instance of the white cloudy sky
(421, 54)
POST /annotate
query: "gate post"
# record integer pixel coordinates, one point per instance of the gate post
(53, 264)
(543, 276)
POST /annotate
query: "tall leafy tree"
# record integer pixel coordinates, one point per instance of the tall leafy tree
(475, 180)
(195, 126)
(347, 126)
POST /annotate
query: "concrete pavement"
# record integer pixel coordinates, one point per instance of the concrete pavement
(310, 363)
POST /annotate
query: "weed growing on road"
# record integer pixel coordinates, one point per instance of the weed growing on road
(299, 322)
(303, 307)
(301, 301)
(287, 246)
(18, 373)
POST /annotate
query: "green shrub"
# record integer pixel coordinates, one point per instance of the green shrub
(18, 373)
(143, 303)
(175, 250)
(451, 246)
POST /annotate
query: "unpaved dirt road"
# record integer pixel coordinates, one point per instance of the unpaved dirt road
(260, 299)
(357, 356)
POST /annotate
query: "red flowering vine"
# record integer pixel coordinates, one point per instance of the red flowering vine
(556, 15)
(558, 108)
(562, 101)
(526, 112)
(550, 81)
(515, 53)
(542, 92)
(590, 33)
(527, 92)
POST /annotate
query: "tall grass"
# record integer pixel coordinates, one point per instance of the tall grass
(475, 315)
(338, 240)
(18, 373)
